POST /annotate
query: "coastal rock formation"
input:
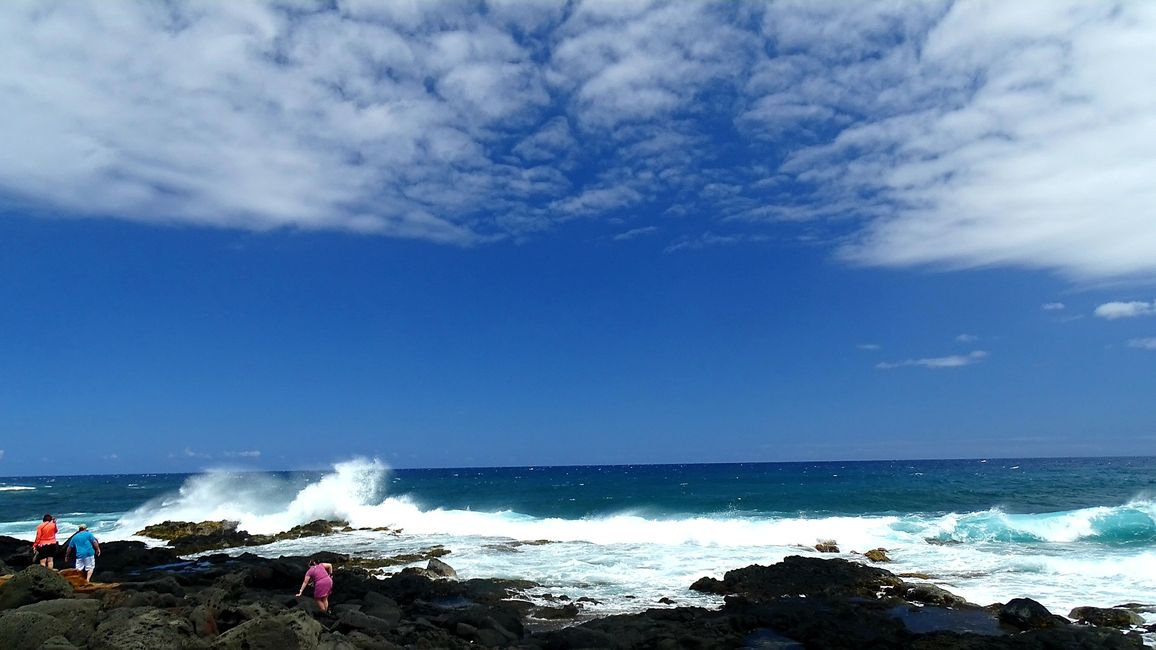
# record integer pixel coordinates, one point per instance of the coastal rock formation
(186, 537)
(1106, 617)
(248, 602)
(33, 584)
(877, 555)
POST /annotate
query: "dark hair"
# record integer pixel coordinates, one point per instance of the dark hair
(47, 517)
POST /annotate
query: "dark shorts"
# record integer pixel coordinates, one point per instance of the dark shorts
(47, 550)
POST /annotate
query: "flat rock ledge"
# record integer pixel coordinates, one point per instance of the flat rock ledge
(154, 599)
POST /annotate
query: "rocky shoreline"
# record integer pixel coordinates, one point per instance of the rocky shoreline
(150, 597)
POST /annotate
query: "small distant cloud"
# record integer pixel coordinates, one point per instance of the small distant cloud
(110, 457)
(636, 233)
(1053, 306)
(1148, 343)
(252, 453)
(1, 454)
(1114, 310)
(967, 338)
(710, 239)
(870, 347)
(194, 454)
(952, 361)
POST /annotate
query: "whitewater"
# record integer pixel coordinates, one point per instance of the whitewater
(1066, 532)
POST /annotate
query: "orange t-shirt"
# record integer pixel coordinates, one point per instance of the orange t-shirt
(45, 534)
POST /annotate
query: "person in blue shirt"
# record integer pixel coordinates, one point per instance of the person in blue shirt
(86, 548)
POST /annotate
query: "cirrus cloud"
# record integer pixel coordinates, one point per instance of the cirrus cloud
(935, 363)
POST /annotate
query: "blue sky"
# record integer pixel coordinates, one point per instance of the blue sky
(277, 235)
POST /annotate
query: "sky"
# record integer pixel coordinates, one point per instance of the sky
(276, 235)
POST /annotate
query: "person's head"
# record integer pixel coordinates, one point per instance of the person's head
(312, 561)
(47, 517)
(83, 526)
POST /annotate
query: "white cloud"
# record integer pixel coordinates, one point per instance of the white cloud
(966, 338)
(189, 453)
(636, 233)
(1, 454)
(870, 347)
(1114, 310)
(252, 453)
(1148, 343)
(1052, 306)
(710, 240)
(980, 134)
(952, 134)
(952, 361)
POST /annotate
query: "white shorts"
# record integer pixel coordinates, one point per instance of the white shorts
(86, 563)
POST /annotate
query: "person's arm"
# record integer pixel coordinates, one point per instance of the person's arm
(96, 546)
(328, 567)
(304, 584)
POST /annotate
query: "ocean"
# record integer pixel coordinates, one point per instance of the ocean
(1066, 531)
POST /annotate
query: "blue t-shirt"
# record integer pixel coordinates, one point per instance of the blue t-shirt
(82, 542)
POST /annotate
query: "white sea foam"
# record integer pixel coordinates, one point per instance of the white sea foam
(984, 556)
(15, 488)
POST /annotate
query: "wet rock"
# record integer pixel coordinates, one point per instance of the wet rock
(877, 555)
(33, 584)
(797, 575)
(827, 546)
(928, 594)
(1107, 617)
(441, 569)
(554, 613)
(1027, 614)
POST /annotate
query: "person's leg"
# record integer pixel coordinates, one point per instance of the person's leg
(322, 603)
(49, 561)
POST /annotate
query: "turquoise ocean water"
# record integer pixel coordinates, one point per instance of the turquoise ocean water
(1067, 532)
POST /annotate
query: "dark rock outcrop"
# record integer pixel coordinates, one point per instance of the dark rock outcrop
(1107, 617)
(33, 584)
(247, 602)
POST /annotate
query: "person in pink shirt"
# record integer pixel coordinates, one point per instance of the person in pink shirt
(321, 574)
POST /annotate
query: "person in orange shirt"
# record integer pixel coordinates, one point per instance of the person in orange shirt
(45, 545)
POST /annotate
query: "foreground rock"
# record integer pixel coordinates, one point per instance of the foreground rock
(247, 602)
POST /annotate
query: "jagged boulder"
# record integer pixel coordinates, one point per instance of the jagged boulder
(877, 555)
(133, 555)
(1107, 617)
(827, 546)
(293, 630)
(187, 537)
(27, 630)
(33, 584)
(77, 617)
(797, 575)
(144, 629)
(16, 553)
